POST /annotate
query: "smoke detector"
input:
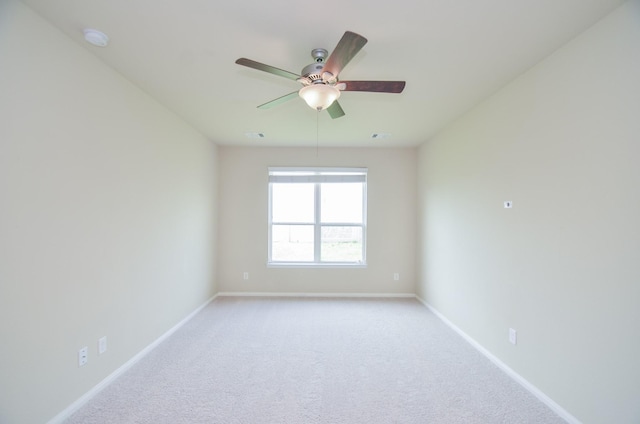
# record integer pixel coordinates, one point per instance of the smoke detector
(95, 37)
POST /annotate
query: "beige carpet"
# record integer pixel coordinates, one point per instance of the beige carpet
(314, 360)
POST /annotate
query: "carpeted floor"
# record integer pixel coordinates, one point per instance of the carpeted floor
(314, 360)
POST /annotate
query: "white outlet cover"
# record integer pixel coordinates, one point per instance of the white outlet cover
(508, 204)
(513, 336)
(83, 356)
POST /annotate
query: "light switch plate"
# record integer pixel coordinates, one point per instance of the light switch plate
(102, 345)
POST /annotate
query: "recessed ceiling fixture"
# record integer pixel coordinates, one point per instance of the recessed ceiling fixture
(95, 37)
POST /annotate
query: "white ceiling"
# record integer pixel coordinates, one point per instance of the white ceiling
(451, 53)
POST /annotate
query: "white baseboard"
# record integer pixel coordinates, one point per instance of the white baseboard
(292, 294)
(68, 411)
(504, 367)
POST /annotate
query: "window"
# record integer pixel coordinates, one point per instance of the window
(317, 216)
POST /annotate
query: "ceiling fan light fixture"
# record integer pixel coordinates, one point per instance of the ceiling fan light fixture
(319, 96)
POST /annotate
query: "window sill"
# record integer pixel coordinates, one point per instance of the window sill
(332, 265)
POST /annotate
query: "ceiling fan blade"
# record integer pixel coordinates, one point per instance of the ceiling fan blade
(348, 46)
(374, 86)
(279, 100)
(267, 68)
(335, 110)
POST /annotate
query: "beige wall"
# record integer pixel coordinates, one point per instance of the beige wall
(391, 185)
(107, 218)
(563, 266)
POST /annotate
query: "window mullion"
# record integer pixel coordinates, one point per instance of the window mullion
(317, 233)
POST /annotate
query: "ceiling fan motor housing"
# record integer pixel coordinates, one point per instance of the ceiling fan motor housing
(312, 73)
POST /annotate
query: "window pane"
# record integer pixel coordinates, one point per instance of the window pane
(341, 244)
(292, 202)
(292, 243)
(341, 203)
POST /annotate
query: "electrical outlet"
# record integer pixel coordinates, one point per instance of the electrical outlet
(83, 356)
(102, 345)
(513, 336)
(245, 276)
(396, 276)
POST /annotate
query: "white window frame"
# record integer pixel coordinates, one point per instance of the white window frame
(318, 176)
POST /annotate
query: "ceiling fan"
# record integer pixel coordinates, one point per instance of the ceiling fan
(321, 87)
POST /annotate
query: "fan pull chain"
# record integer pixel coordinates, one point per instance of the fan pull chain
(317, 131)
